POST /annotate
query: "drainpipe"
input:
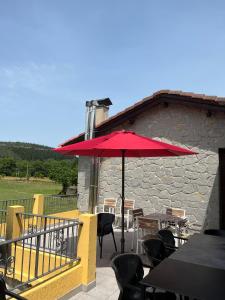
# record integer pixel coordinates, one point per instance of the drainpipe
(91, 108)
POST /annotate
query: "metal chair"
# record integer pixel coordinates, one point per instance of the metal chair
(128, 207)
(138, 212)
(145, 228)
(109, 205)
(105, 222)
(177, 212)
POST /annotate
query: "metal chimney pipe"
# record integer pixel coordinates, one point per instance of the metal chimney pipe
(89, 134)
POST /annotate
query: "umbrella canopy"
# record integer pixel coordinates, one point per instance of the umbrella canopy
(132, 144)
(123, 144)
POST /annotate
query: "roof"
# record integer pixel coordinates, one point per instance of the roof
(210, 103)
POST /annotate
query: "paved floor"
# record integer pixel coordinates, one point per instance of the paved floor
(106, 285)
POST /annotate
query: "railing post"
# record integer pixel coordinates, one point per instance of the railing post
(37, 256)
(38, 207)
(14, 222)
(86, 248)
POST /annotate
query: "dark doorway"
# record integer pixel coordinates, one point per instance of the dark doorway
(222, 187)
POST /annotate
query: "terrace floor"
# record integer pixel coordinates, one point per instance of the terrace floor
(106, 285)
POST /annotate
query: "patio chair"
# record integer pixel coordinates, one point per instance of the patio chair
(128, 207)
(169, 241)
(129, 272)
(155, 250)
(105, 222)
(5, 292)
(216, 232)
(138, 212)
(109, 205)
(145, 228)
(177, 212)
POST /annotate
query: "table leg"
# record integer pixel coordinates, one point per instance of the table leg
(183, 297)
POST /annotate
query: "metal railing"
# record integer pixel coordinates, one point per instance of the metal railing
(27, 203)
(32, 223)
(3, 214)
(59, 203)
(35, 255)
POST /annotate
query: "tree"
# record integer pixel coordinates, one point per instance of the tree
(64, 172)
(21, 168)
(38, 169)
(7, 166)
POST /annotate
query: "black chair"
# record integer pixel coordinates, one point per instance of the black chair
(105, 221)
(216, 232)
(155, 251)
(5, 292)
(129, 272)
(169, 241)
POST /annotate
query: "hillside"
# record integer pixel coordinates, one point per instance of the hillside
(27, 151)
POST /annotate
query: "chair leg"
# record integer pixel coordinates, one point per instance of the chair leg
(132, 241)
(114, 241)
(128, 223)
(137, 247)
(101, 244)
(137, 237)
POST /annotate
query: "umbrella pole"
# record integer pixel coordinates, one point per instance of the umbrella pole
(122, 206)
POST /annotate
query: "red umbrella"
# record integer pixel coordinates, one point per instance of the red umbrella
(123, 144)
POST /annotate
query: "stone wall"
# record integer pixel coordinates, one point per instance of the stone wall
(84, 165)
(189, 182)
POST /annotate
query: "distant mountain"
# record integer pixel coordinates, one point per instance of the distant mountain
(27, 151)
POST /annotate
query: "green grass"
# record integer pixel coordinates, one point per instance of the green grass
(12, 189)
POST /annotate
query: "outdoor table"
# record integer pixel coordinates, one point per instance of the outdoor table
(196, 270)
(203, 249)
(165, 218)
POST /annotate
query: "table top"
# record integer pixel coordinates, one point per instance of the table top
(196, 269)
(164, 217)
(197, 281)
(203, 249)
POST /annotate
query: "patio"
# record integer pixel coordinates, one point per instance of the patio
(106, 285)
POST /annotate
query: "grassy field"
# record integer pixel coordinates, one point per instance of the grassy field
(14, 189)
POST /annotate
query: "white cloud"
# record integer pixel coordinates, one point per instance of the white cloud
(35, 78)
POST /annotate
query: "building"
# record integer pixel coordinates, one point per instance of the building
(194, 183)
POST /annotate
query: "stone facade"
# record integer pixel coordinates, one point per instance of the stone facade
(189, 182)
(84, 165)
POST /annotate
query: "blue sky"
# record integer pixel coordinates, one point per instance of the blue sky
(55, 55)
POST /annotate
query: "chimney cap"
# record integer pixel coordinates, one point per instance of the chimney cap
(99, 102)
(104, 101)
